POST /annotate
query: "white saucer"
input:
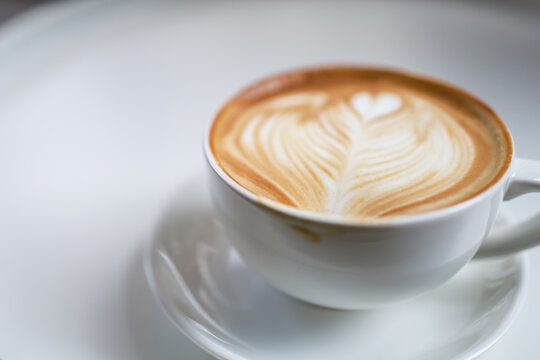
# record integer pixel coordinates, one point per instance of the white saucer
(214, 299)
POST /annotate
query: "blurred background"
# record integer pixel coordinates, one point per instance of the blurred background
(10, 8)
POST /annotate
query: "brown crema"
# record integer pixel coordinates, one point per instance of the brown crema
(360, 142)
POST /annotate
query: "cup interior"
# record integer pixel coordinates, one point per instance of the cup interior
(294, 78)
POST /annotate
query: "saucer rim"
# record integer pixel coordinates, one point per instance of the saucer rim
(518, 303)
(182, 323)
(216, 349)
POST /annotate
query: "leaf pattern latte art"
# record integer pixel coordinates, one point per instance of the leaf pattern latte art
(356, 153)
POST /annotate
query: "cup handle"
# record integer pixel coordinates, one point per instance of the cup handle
(525, 178)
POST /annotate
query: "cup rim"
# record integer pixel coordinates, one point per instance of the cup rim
(336, 220)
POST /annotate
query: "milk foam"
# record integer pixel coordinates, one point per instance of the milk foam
(357, 152)
(370, 107)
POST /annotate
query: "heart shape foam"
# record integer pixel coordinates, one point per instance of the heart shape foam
(371, 107)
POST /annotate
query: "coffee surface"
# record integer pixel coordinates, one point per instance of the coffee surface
(360, 143)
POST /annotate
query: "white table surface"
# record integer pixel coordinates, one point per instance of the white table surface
(102, 106)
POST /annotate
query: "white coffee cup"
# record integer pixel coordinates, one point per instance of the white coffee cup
(346, 264)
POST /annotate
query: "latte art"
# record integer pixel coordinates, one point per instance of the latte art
(357, 150)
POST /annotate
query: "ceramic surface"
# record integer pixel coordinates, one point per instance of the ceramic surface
(343, 264)
(211, 296)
